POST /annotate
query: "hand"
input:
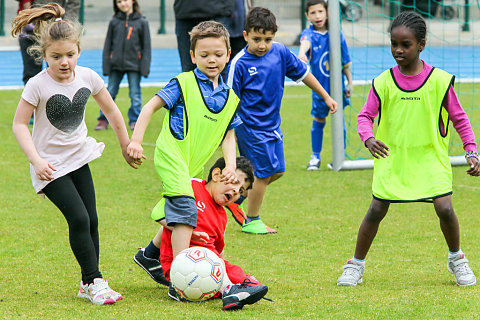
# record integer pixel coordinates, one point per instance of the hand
(377, 148)
(303, 57)
(474, 169)
(228, 175)
(332, 104)
(135, 150)
(43, 169)
(134, 163)
(348, 90)
(199, 236)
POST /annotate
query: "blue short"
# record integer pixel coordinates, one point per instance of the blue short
(320, 109)
(181, 210)
(264, 149)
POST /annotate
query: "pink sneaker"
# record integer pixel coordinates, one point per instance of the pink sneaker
(98, 292)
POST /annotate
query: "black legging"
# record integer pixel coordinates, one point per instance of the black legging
(74, 195)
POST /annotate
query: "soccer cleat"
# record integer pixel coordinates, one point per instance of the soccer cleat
(458, 266)
(98, 292)
(239, 295)
(237, 213)
(173, 294)
(257, 227)
(151, 266)
(313, 164)
(102, 125)
(352, 274)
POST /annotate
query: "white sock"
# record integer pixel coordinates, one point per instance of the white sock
(452, 255)
(359, 261)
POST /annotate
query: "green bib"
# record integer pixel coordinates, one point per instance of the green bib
(414, 126)
(176, 161)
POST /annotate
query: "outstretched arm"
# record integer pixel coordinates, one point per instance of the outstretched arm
(302, 51)
(114, 116)
(313, 84)
(135, 149)
(229, 153)
(42, 167)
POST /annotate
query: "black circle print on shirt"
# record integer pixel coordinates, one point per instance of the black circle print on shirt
(66, 115)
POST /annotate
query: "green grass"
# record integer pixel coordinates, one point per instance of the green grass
(317, 215)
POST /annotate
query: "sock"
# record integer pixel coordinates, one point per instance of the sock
(249, 219)
(152, 252)
(317, 137)
(240, 200)
(359, 261)
(451, 255)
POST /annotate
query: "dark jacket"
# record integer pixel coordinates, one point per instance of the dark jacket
(203, 9)
(127, 45)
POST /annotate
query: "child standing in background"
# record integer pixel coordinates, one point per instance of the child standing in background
(58, 149)
(314, 47)
(257, 75)
(127, 50)
(417, 102)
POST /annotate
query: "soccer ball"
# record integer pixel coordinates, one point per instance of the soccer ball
(197, 273)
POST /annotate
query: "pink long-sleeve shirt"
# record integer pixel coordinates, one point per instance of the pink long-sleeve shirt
(455, 111)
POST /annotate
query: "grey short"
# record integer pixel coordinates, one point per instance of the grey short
(181, 210)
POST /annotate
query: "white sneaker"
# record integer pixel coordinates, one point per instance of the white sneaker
(313, 164)
(352, 274)
(98, 292)
(458, 265)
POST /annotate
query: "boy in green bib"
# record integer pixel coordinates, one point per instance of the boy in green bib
(201, 117)
(414, 103)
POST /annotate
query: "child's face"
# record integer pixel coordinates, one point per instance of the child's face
(61, 57)
(125, 6)
(211, 55)
(317, 15)
(226, 193)
(405, 46)
(259, 43)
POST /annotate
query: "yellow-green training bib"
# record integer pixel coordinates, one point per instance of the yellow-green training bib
(176, 161)
(418, 167)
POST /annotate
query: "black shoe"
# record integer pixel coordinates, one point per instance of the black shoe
(242, 294)
(152, 267)
(172, 293)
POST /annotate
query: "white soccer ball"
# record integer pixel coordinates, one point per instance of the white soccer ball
(197, 273)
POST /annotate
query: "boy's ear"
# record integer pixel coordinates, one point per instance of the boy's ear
(192, 55)
(216, 174)
(229, 54)
(245, 35)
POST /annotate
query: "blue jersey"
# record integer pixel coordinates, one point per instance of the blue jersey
(259, 83)
(214, 98)
(319, 56)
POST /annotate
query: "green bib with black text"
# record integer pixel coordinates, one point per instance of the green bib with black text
(179, 160)
(413, 124)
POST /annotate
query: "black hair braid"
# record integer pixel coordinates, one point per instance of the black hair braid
(413, 21)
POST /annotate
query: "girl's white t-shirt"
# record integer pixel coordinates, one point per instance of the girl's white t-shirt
(59, 131)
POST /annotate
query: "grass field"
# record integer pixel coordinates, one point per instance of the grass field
(317, 215)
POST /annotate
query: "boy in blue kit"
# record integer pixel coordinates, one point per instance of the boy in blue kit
(257, 75)
(200, 117)
(314, 48)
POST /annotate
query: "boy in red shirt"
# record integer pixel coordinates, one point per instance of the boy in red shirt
(210, 196)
